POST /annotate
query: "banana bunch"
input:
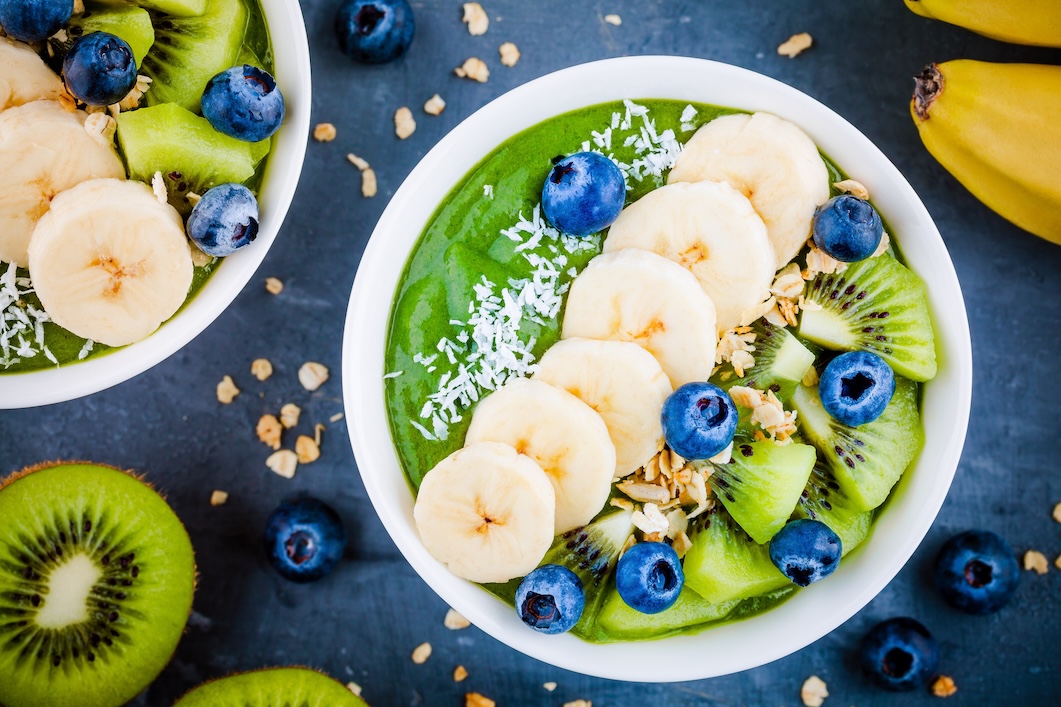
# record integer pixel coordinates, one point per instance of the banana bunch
(1036, 22)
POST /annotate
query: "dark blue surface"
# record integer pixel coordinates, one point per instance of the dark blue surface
(362, 622)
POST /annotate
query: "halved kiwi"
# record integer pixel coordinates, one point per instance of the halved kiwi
(824, 500)
(874, 305)
(272, 687)
(189, 51)
(133, 24)
(621, 623)
(96, 583)
(781, 361)
(761, 484)
(867, 460)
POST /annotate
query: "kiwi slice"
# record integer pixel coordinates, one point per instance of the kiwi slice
(824, 500)
(189, 51)
(621, 623)
(273, 687)
(96, 582)
(874, 305)
(133, 24)
(781, 361)
(761, 484)
(591, 552)
(866, 460)
(181, 8)
(724, 563)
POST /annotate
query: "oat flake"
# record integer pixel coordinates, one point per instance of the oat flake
(509, 54)
(476, 18)
(218, 498)
(813, 692)
(615, 20)
(368, 183)
(354, 688)
(283, 463)
(1036, 561)
(474, 69)
(261, 368)
(312, 375)
(796, 45)
(550, 686)
(474, 699)
(852, 187)
(273, 286)
(404, 124)
(578, 703)
(226, 390)
(421, 653)
(307, 449)
(269, 431)
(1057, 512)
(460, 674)
(454, 621)
(434, 105)
(944, 686)
(324, 132)
(289, 415)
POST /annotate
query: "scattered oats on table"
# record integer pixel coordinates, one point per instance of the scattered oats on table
(226, 390)
(613, 20)
(578, 703)
(549, 686)
(404, 124)
(474, 699)
(813, 692)
(324, 132)
(1057, 562)
(421, 653)
(434, 105)
(1057, 513)
(307, 449)
(460, 674)
(269, 430)
(368, 175)
(509, 54)
(476, 18)
(312, 375)
(218, 498)
(474, 69)
(336, 417)
(454, 621)
(273, 286)
(283, 463)
(944, 686)
(261, 368)
(1036, 561)
(852, 187)
(795, 45)
(354, 688)
(289, 415)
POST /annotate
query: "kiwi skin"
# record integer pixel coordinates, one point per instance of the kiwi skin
(122, 669)
(212, 692)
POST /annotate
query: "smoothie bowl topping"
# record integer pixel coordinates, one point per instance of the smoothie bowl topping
(133, 140)
(658, 378)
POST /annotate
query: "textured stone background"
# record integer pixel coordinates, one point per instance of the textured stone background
(362, 622)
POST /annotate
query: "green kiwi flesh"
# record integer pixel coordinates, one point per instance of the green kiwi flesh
(181, 8)
(132, 24)
(621, 623)
(824, 500)
(592, 552)
(761, 484)
(867, 460)
(874, 305)
(781, 361)
(96, 583)
(189, 51)
(724, 563)
(274, 687)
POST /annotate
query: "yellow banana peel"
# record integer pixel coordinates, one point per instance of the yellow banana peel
(1036, 22)
(997, 129)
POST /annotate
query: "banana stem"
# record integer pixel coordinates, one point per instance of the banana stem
(928, 85)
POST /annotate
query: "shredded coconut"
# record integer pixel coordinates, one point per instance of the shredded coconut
(21, 323)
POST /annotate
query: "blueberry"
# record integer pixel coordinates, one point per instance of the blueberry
(99, 69)
(649, 577)
(806, 551)
(243, 102)
(856, 387)
(699, 420)
(34, 20)
(224, 220)
(899, 654)
(583, 194)
(304, 538)
(976, 572)
(847, 228)
(550, 599)
(374, 31)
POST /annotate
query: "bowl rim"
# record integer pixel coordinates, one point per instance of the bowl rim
(914, 503)
(291, 62)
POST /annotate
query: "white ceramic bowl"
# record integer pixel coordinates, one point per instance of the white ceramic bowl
(908, 514)
(291, 61)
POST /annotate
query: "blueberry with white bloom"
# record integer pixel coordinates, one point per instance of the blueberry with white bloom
(847, 228)
(550, 599)
(583, 194)
(224, 220)
(806, 551)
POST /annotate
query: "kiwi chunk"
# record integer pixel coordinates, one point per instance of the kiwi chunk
(96, 582)
(724, 563)
(592, 552)
(296, 687)
(824, 500)
(761, 484)
(189, 51)
(181, 8)
(621, 623)
(874, 305)
(867, 460)
(781, 361)
(133, 24)
(191, 155)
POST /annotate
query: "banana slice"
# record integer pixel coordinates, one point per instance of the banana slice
(772, 162)
(24, 77)
(712, 230)
(486, 512)
(635, 295)
(110, 262)
(562, 434)
(44, 149)
(623, 383)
